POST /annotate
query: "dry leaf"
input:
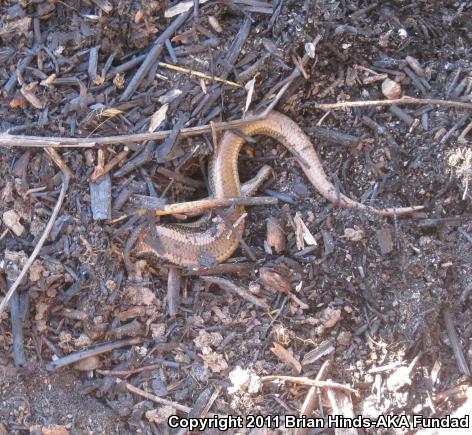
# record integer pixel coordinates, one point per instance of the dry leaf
(137, 295)
(244, 380)
(111, 112)
(158, 118)
(214, 361)
(330, 316)
(41, 310)
(138, 16)
(36, 271)
(303, 233)
(20, 26)
(206, 339)
(354, 234)
(273, 281)
(158, 330)
(170, 96)
(249, 86)
(18, 102)
(180, 8)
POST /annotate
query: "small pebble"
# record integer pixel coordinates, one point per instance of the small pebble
(11, 219)
(392, 90)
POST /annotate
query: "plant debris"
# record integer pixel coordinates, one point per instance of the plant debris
(110, 112)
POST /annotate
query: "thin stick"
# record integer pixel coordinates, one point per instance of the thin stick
(308, 381)
(277, 98)
(198, 74)
(100, 171)
(74, 357)
(152, 56)
(174, 278)
(227, 285)
(289, 80)
(68, 142)
(130, 372)
(211, 203)
(222, 269)
(39, 245)
(310, 399)
(399, 101)
(455, 343)
(149, 396)
(57, 159)
(17, 330)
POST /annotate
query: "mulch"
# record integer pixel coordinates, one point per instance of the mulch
(110, 110)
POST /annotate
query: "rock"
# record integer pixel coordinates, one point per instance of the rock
(11, 219)
(392, 90)
(87, 364)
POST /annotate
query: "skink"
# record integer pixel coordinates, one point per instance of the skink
(193, 247)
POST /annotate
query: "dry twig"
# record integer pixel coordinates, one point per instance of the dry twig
(152, 56)
(97, 350)
(308, 381)
(198, 74)
(399, 101)
(310, 399)
(201, 205)
(455, 343)
(8, 140)
(227, 285)
(126, 373)
(41, 241)
(154, 398)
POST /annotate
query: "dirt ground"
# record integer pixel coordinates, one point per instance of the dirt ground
(376, 307)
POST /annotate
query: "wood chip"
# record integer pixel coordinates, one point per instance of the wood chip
(157, 118)
(180, 8)
(274, 282)
(385, 239)
(249, 86)
(28, 93)
(285, 356)
(100, 196)
(104, 5)
(232, 288)
(314, 355)
(341, 405)
(170, 96)
(415, 66)
(303, 234)
(275, 235)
